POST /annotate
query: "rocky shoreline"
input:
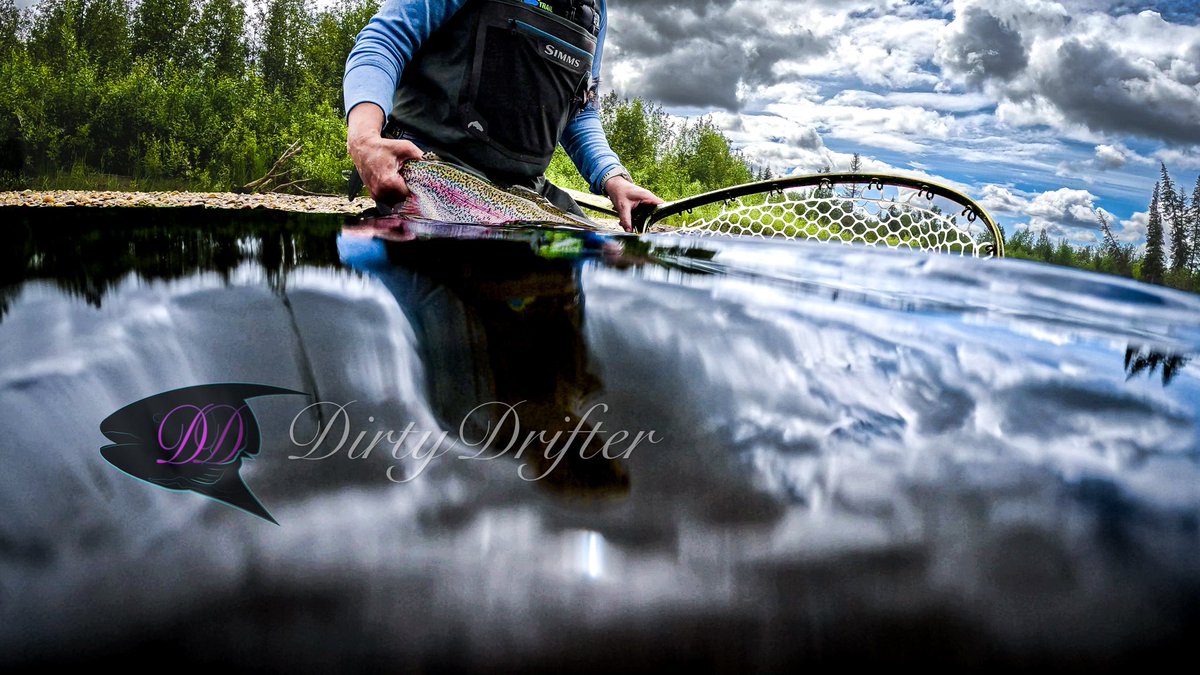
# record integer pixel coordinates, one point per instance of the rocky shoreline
(212, 200)
(209, 200)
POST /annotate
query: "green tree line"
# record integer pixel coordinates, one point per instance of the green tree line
(209, 94)
(199, 94)
(1172, 253)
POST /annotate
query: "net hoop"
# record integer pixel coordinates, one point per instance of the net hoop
(873, 209)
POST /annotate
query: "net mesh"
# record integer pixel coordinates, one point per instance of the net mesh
(871, 214)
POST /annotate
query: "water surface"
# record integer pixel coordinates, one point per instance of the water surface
(861, 455)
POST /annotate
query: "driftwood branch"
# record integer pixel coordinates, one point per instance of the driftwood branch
(276, 172)
(289, 184)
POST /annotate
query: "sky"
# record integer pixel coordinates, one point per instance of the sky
(1043, 111)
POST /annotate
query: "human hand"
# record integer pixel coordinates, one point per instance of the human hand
(378, 159)
(625, 196)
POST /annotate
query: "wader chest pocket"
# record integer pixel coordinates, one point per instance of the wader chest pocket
(525, 85)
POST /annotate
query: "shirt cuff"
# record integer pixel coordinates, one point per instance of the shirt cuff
(368, 84)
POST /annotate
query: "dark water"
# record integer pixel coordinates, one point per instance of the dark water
(861, 456)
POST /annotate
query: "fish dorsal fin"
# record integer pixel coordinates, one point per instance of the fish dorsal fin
(536, 198)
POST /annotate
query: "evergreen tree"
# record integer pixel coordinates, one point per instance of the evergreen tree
(1194, 229)
(852, 191)
(1174, 207)
(1064, 254)
(160, 31)
(1152, 264)
(1043, 250)
(1113, 256)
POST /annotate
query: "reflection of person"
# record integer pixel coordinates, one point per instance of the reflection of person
(499, 324)
(494, 85)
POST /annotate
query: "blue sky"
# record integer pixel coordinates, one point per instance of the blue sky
(1043, 110)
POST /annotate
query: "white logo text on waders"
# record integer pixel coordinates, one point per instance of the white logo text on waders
(562, 56)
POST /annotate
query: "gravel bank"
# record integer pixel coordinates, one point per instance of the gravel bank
(213, 200)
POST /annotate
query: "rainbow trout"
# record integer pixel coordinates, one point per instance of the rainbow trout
(445, 193)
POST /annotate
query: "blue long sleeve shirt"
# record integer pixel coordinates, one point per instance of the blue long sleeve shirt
(391, 38)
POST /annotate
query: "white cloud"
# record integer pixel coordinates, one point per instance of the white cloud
(1133, 229)
(1111, 156)
(1031, 101)
(1001, 199)
(1180, 158)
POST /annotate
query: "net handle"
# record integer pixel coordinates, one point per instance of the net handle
(645, 215)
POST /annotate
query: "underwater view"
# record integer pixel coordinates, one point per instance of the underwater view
(527, 449)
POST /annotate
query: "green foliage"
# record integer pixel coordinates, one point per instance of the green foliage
(10, 26)
(1152, 263)
(285, 28)
(219, 37)
(673, 160)
(165, 93)
(160, 31)
(104, 34)
(328, 41)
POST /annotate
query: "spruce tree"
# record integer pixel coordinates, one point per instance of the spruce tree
(1194, 229)
(855, 167)
(1119, 255)
(1173, 211)
(1043, 250)
(1152, 264)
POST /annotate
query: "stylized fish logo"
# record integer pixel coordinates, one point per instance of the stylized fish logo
(193, 438)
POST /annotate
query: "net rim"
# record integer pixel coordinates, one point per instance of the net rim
(971, 209)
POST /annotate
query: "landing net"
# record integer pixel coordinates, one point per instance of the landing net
(875, 211)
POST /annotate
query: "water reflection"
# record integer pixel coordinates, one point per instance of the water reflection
(500, 326)
(867, 456)
(1140, 360)
(87, 254)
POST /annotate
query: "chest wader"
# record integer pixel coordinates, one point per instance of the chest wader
(495, 87)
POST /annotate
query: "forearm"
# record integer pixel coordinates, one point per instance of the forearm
(587, 146)
(364, 124)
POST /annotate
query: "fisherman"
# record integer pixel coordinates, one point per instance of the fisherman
(491, 85)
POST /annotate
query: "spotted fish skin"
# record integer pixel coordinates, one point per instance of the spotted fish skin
(443, 192)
